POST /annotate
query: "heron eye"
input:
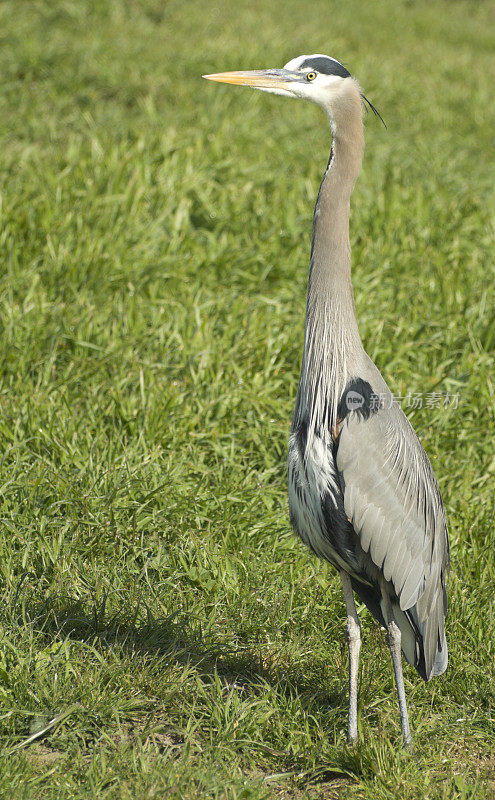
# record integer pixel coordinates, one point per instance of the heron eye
(311, 76)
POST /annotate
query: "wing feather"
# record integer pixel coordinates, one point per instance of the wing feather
(392, 498)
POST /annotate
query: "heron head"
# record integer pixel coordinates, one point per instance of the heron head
(317, 78)
(321, 79)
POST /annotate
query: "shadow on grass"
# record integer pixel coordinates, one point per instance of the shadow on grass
(178, 639)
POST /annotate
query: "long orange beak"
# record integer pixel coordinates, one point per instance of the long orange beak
(259, 79)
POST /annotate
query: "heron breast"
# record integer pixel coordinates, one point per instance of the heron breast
(316, 503)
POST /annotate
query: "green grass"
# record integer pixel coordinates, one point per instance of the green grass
(154, 240)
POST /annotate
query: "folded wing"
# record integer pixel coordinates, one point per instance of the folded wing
(391, 496)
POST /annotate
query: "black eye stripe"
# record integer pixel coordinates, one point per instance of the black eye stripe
(326, 65)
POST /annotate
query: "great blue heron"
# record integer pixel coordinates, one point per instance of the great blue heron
(362, 492)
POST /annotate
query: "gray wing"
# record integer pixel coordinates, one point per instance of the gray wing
(391, 496)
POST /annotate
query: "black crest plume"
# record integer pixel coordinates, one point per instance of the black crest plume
(374, 110)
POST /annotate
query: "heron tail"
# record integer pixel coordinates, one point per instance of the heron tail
(416, 637)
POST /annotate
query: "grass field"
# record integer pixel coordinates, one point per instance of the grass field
(163, 633)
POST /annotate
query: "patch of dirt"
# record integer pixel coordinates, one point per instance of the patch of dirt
(287, 790)
(43, 756)
(132, 731)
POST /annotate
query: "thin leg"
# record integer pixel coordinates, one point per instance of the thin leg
(353, 631)
(393, 641)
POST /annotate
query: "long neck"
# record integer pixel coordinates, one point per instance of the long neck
(332, 345)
